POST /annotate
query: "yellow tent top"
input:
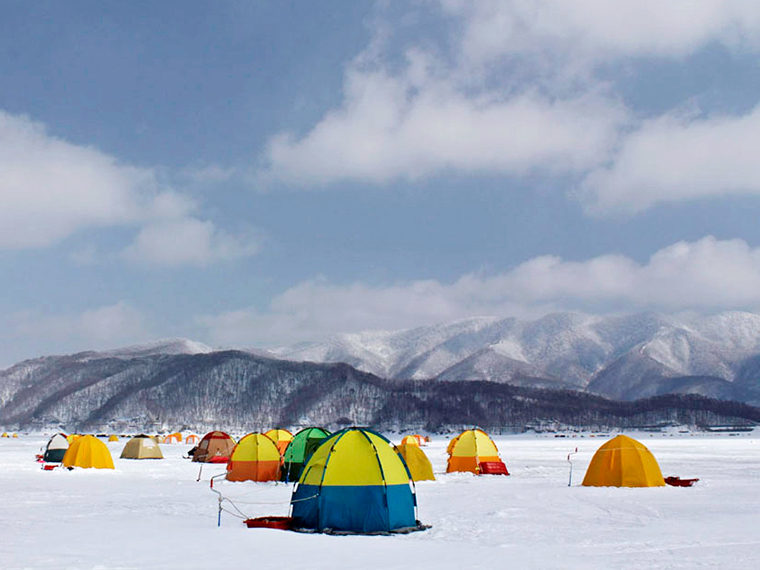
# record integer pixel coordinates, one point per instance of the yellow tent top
(419, 465)
(71, 438)
(88, 452)
(281, 438)
(5, 434)
(471, 448)
(410, 440)
(623, 462)
(113, 437)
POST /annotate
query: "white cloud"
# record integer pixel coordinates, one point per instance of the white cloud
(600, 30)
(412, 125)
(50, 189)
(187, 241)
(674, 158)
(703, 275)
(516, 94)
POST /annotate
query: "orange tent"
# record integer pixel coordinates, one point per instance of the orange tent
(255, 458)
(192, 438)
(281, 438)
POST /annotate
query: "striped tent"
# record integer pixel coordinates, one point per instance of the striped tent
(355, 483)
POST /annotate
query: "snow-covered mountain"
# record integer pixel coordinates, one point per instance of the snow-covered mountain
(627, 356)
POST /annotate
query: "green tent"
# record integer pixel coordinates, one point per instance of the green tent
(299, 450)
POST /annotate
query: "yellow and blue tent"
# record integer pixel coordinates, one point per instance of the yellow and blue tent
(355, 483)
(623, 462)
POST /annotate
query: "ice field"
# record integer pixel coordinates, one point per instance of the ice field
(154, 514)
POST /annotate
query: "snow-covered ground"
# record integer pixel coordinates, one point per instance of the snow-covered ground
(153, 514)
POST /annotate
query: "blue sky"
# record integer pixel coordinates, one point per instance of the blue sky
(265, 173)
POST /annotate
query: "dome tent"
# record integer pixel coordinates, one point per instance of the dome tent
(56, 448)
(471, 450)
(416, 461)
(281, 438)
(215, 447)
(141, 447)
(254, 458)
(355, 483)
(299, 450)
(623, 462)
(410, 440)
(88, 452)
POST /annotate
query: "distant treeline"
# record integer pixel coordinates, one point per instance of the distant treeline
(245, 392)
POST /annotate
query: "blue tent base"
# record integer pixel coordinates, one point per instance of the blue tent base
(406, 530)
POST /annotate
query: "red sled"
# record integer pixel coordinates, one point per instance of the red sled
(280, 523)
(49, 466)
(219, 459)
(493, 468)
(678, 482)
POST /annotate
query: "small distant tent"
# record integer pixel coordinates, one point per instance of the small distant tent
(474, 451)
(215, 447)
(255, 458)
(56, 448)
(299, 450)
(623, 462)
(281, 438)
(410, 440)
(88, 452)
(171, 438)
(192, 438)
(419, 465)
(113, 437)
(72, 437)
(141, 447)
(355, 482)
(5, 434)
(15, 435)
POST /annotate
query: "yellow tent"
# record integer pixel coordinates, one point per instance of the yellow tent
(71, 438)
(419, 465)
(623, 462)
(281, 438)
(5, 434)
(88, 451)
(410, 440)
(471, 448)
(113, 438)
(15, 435)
